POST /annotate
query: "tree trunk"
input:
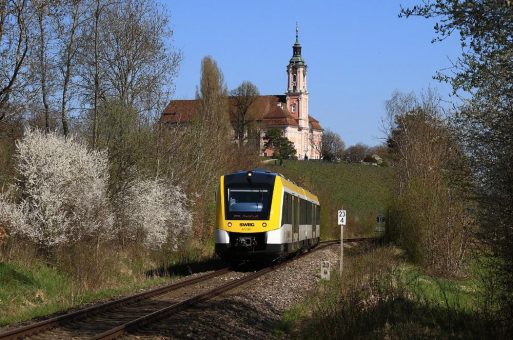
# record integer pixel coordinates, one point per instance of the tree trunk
(96, 74)
(43, 66)
(70, 50)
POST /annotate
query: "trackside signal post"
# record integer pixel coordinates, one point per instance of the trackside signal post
(341, 222)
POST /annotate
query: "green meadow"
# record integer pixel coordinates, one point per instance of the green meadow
(362, 190)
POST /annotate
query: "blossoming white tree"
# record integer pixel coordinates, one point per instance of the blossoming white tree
(11, 216)
(157, 211)
(63, 190)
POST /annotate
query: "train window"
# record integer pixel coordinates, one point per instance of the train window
(308, 213)
(318, 214)
(287, 209)
(296, 210)
(302, 210)
(248, 202)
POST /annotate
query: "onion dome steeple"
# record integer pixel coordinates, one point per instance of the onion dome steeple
(296, 48)
(297, 91)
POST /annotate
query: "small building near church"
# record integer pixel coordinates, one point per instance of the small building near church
(288, 112)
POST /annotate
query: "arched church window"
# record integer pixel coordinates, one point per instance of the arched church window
(293, 107)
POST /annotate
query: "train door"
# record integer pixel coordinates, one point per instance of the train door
(295, 222)
(314, 216)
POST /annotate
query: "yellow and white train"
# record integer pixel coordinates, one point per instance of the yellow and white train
(263, 216)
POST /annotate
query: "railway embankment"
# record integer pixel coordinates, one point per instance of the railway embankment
(245, 301)
(382, 295)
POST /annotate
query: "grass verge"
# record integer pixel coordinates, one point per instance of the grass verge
(380, 296)
(30, 288)
(37, 290)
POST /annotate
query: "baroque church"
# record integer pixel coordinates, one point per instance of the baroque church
(288, 112)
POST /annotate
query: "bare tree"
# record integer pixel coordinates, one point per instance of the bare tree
(356, 153)
(97, 12)
(125, 57)
(241, 116)
(197, 152)
(137, 65)
(15, 16)
(211, 129)
(332, 147)
(485, 70)
(430, 217)
(68, 28)
(42, 14)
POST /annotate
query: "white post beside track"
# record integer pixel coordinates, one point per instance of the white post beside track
(341, 249)
(341, 223)
(325, 270)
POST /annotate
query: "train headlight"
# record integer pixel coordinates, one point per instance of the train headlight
(264, 224)
(229, 224)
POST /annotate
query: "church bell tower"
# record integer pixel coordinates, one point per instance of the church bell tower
(297, 92)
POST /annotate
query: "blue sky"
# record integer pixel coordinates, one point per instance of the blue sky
(357, 52)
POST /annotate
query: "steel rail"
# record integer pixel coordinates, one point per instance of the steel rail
(159, 314)
(354, 239)
(45, 325)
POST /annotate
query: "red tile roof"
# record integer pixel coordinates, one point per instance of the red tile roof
(270, 111)
(178, 111)
(314, 123)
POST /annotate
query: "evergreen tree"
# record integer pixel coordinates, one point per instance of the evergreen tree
(282, 147)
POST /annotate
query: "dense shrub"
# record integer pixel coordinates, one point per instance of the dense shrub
(62, 190)
(432, 224)
(430, 217)
(155, 213)
(11, 216)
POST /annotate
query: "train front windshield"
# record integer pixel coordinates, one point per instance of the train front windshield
(246, 203)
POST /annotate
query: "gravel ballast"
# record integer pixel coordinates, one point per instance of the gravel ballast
(252, 310)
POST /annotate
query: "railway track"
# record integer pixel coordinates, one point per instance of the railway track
(119, 317)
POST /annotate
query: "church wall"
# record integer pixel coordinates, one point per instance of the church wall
(315, 144)
(306, 141)
(293, 100)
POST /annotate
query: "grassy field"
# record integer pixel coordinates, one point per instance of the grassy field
(360, 189)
